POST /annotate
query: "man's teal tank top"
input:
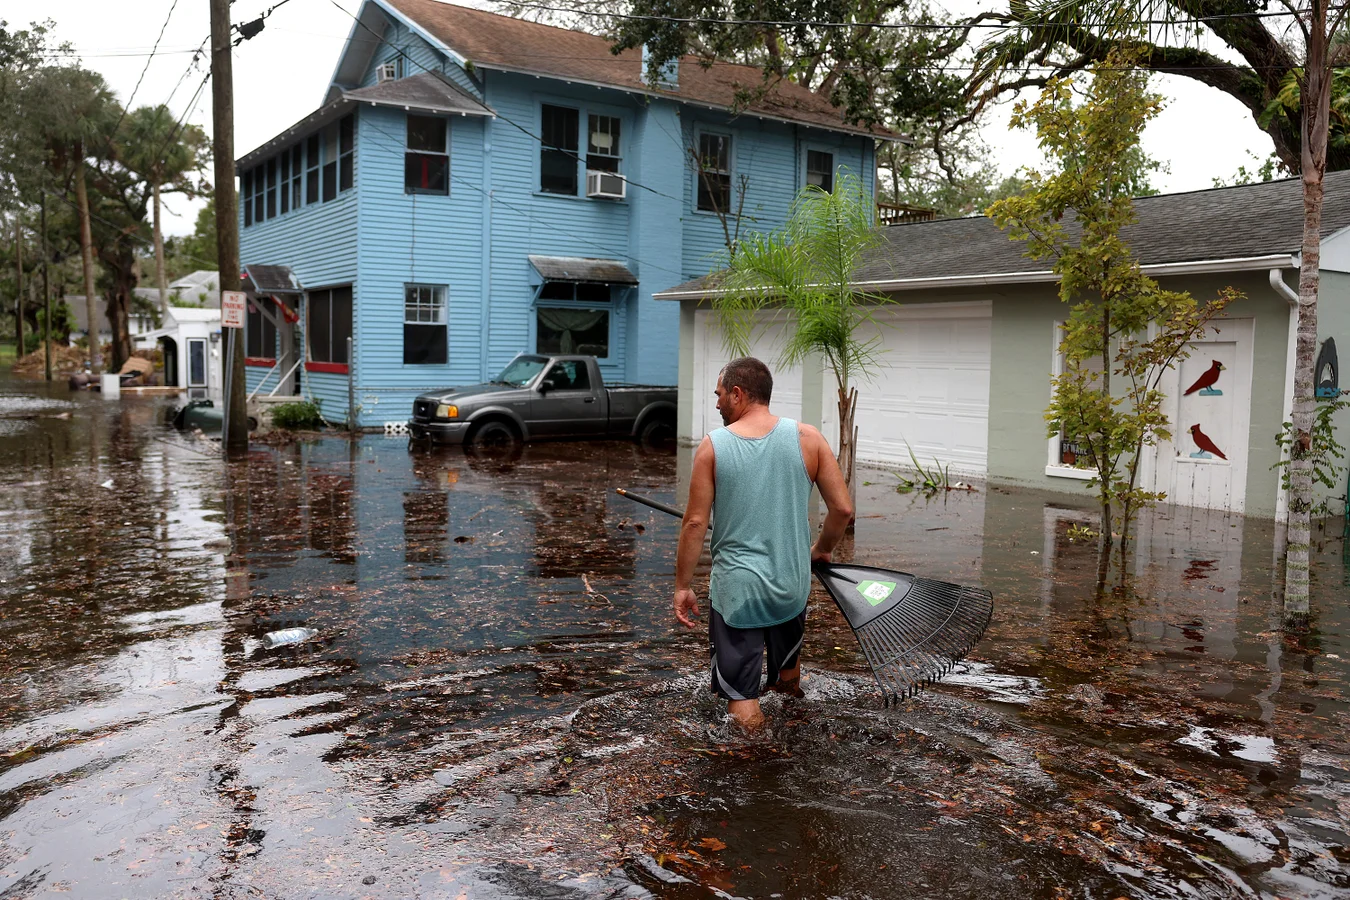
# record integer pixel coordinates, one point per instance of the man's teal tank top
(761, 535)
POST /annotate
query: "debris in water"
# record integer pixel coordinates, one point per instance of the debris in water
(107, 484)
(287, 636)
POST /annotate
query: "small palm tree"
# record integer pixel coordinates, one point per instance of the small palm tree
(803, 274)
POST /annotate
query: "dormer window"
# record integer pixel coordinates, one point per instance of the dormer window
(386, 72)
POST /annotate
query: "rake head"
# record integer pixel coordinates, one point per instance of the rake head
(912, 630)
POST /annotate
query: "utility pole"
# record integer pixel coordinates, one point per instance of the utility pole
(18, 294)
(46, 295)
(235, 441)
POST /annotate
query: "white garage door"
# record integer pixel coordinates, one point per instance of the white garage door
(710, 356)
(931, 388)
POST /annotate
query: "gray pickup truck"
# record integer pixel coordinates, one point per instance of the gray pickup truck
(544, 397)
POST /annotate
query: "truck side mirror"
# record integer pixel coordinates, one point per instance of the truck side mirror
(544, 386)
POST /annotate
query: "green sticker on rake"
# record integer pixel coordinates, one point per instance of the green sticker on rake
(876, 592)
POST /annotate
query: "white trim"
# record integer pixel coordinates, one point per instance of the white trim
(1157, 270)
(421, 32)
(1069, 472)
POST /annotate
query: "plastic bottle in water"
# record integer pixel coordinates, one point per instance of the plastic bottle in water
(287, 636)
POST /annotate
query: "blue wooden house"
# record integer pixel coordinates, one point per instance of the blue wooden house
(476, 186)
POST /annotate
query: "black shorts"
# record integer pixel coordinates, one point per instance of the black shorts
(738, 654)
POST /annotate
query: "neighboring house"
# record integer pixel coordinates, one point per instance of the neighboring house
(476, 186)
(141, 321)
(201, 287)
(970, 345)
(190, 341)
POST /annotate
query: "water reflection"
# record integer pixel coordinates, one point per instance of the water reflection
(497, 705)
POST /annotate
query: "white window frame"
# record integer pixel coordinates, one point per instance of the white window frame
(1053, 467)
(617, 157)
(432, 303)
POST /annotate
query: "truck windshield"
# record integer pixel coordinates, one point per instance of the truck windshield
(521, 370)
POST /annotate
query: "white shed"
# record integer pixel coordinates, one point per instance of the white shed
(190, 340)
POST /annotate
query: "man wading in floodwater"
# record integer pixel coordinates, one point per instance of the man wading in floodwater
(754, 478)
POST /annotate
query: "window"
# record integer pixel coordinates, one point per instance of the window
(424, 328)
(312, 170)
(330, 156)
(426, 165)
(558, 158)
(389, 71)
(1067, 456)
(346, 153)
(259, 192)
(602, 144)
(297, 169)
(568, 375)
(272, 188)
(714, 172)
(260, 332)
(285, 199)
(586, 292)
(820, 169)
(572, 331)
(329, 325)
(246, 196)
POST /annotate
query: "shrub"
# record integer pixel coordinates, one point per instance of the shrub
(299, 416)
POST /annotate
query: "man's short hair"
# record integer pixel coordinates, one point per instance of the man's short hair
(751, 376)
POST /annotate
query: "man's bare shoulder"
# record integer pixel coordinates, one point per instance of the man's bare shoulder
(808, 432)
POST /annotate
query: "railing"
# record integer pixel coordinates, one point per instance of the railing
(250, 397)
(899, 214)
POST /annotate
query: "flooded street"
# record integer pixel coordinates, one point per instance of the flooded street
(495, 702)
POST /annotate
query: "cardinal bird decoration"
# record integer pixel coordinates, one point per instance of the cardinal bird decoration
(1202, 441)
(1205, 383)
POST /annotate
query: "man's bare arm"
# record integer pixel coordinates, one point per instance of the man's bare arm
(834, 491)
(693, 528)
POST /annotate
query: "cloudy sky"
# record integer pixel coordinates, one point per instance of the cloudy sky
(281, 75)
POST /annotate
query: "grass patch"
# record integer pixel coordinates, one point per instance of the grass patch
(7, 354)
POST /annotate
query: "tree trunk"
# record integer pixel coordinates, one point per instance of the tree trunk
(46, 295)
(18, 293)
(848, 444)
(87, 261)
(159, 255)
(1316, 106)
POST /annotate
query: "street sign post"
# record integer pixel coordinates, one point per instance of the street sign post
(232, 306)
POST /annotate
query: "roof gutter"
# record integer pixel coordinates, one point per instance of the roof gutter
(1273, 262)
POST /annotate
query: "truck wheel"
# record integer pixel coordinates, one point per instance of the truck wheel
(493, 435)
(658, 431)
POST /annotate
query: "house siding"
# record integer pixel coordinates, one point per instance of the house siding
(1333, 320)
(1022, 359)
(401, 42)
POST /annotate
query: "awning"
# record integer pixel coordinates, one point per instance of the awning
(272, 280)
(582, 269)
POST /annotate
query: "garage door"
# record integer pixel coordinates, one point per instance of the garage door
(710, 356)
(931, 388)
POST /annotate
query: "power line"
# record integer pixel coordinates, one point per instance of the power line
(126, 107)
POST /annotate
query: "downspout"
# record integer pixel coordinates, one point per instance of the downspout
(1289, 294)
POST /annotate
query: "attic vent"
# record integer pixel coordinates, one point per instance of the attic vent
(386, 72)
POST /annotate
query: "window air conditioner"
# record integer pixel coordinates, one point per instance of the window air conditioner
(386, 72)
(606, 185)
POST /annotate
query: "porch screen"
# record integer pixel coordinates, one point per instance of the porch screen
(260, 335)
(329, 324)
(572, 331)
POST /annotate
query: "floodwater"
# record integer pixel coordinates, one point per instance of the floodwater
(495, 703)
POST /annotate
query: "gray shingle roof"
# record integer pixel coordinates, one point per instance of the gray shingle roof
(575, 268)
(1217, 224)
(426, 91)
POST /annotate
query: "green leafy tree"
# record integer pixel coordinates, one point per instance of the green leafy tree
(195, 251)
(803, 273)
(1123, 331)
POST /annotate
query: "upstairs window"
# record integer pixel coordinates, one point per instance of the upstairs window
(346, 153)
(259, 192)
(602, 144)
(426, 164)
(272, 188)
(330, 162)
(328, 322)
(246, 196)
(297, 172)
(820, 169)
(714, 172)
(558, 158)
(285, 199)
(312, 170)
(424, 324)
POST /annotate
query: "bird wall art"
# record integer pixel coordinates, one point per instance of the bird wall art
(1205, 383)
(1208, 448)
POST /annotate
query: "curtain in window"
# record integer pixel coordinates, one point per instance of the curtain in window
(570, 324)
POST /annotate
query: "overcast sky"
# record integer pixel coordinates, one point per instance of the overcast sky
(281, 75)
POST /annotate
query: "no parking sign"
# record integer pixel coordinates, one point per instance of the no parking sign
(232, 304)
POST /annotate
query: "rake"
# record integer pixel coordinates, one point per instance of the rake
(912, 630)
